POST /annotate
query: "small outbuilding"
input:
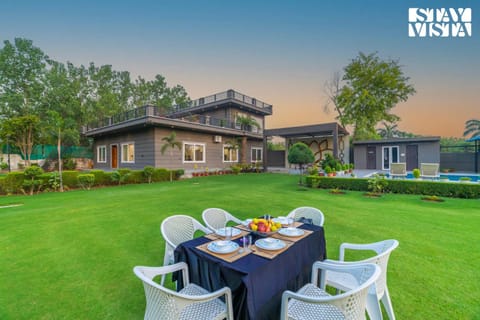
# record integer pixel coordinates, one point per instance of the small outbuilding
(379, 154)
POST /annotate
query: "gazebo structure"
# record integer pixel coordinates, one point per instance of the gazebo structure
(321, 138)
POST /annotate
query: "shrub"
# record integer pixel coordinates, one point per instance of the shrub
(101, 178)
(69, 164)
(416, 173)
(328, 170)
(161, 174)
(53, 181)
(135, 176)
(86, 181)
(313, 170)
(179, 173)
(119, 176)
(377, 184)
(437, 188)
(13, 182)
(70, 178)
(236, 169)
(32, 180)
(148, 173)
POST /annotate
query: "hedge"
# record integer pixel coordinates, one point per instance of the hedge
(70, 178)
(423, 187)
(12, 182)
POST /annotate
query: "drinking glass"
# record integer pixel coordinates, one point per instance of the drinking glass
(228, 233)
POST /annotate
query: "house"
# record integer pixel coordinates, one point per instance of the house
(322, 138)
(379, 154)
(208, 130)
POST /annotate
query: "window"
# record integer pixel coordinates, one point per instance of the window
(390, 155)
(230, 153)
(257, 154)
(193, 152)
(102, 154)
(128, 153)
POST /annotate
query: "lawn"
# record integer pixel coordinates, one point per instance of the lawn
(70, 255)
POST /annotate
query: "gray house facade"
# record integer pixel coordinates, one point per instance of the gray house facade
(379, 154)
(208, 130)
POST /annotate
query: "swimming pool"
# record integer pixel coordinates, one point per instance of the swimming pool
(450, 176)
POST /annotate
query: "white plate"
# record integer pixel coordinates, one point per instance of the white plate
(282, 220)
(222, 246)
(291, 232)
(221, 232)
(270, 244)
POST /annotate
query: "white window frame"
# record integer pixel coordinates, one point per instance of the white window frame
(121, 153)
(390, 156)
(231, 151)
(100, 153)
(194, 144)
(261, 154)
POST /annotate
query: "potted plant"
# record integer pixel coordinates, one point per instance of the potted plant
(329, 171)
(351, 167)
(416, 173)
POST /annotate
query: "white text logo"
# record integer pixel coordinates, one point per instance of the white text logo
(443, 22)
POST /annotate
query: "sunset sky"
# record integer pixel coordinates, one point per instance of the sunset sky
(280, 52)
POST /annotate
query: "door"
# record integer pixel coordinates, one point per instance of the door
(371, 157)
(390, 155)
(114, 156)
(412, 157)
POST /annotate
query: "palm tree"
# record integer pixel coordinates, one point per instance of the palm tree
(472, 127)
(389, 130)
(171, 143)
(246, 123)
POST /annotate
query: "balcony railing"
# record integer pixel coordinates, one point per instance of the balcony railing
(145, 111)
(230, 94)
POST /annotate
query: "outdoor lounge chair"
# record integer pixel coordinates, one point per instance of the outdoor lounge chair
(398, 169)
(429, 170)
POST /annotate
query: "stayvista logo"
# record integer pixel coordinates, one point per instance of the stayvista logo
(443, 22)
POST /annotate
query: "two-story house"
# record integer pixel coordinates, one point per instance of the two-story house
(209, 131)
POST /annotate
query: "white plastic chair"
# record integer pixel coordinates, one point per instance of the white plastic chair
(177, 229)
(377, 293)
(216, 218)
(309, 213)
(192, 302)
(313, 302)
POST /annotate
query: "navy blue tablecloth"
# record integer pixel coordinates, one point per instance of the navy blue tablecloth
(257, 283)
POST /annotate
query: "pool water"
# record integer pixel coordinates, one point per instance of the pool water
(451, 177)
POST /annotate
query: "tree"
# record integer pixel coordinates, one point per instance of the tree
(300, 154)
(22, 73)
(171, 143)
(246, 123)
(372, 88)
(23, 132)
(388, 130)
(472, 128)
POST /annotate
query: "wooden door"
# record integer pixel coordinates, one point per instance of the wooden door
(412, 157)
(371, 157)
(114, 156)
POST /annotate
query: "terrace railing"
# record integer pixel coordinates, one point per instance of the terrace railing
(230, 94)
(145, 111)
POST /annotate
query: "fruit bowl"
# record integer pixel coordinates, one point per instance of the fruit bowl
(263, 227)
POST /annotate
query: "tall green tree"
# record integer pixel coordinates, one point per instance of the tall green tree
(372, 87)
(472, 128)
(246, 123)
(171, 143)
(389, 130)
(23, 131)
(22, 78)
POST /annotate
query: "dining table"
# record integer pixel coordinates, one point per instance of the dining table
(257, 278)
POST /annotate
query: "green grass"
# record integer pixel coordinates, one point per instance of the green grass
(70, 255)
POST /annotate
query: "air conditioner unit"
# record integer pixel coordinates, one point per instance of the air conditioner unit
(217, 139)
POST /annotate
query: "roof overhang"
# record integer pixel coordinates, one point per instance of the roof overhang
(155, 121)
(308, 132)
(398, 140)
